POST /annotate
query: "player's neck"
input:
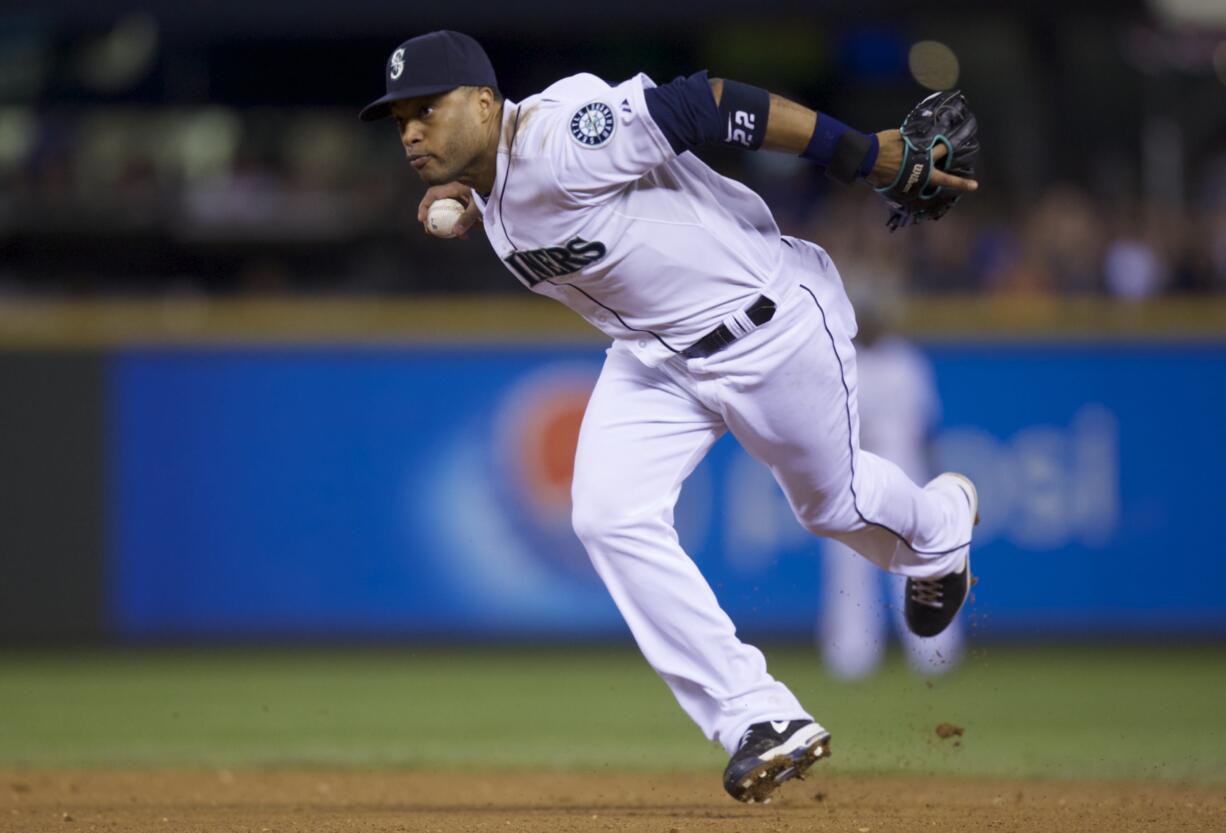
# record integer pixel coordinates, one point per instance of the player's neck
(486, 168)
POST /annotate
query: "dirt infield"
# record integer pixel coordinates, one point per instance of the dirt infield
(279, 802)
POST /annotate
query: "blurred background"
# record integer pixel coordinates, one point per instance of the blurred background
(178, 150)
(245, 401)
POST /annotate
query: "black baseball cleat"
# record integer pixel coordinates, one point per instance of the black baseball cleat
(771, 753)
(932, 603)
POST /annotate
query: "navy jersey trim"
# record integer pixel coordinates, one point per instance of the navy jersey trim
(507, 178)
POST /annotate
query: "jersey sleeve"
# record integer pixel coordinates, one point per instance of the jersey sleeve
(600, 142)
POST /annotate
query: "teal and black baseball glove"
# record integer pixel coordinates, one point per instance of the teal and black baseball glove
(943, 118)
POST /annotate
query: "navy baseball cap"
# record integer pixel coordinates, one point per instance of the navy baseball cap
(432, 64)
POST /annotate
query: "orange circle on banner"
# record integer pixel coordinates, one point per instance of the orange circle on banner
(547, 455)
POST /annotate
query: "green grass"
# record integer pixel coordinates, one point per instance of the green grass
(1038, 712)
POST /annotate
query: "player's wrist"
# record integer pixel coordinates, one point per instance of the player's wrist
(889, 158)
(845, 153)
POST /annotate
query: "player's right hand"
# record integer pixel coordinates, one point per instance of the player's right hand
(455, 191)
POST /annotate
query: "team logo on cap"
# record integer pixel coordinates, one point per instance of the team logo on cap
(397, 64)
(592, 124)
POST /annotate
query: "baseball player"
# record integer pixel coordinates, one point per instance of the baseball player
(589, 194)
(899, 407)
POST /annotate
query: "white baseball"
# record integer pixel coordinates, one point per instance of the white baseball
(442, 217)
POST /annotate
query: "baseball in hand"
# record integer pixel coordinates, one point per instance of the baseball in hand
(442, 216)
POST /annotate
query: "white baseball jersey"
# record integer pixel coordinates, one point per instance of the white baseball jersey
(591, 206)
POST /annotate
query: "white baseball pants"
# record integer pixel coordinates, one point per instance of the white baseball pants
(787, 391)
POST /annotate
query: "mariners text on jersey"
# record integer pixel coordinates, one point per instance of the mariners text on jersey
(555, 261)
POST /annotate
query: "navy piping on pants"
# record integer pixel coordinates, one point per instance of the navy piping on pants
(851, 450)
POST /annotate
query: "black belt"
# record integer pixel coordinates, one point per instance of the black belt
(759, 312)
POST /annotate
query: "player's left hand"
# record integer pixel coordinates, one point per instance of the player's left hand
(927, 165)
(889, 158)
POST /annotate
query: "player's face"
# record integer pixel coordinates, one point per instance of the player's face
(442, 134)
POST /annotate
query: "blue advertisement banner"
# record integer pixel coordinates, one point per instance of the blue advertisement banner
(424, 492)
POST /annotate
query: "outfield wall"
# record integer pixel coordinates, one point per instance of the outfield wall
(341, 490)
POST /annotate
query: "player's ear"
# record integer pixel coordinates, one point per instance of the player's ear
(487, 100)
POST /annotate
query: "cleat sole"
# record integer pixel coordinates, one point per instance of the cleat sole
(760, 783)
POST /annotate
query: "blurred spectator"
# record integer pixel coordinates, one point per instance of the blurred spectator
(1207, 249)
(1063, 245)
(1133, 268)
(899, 408)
